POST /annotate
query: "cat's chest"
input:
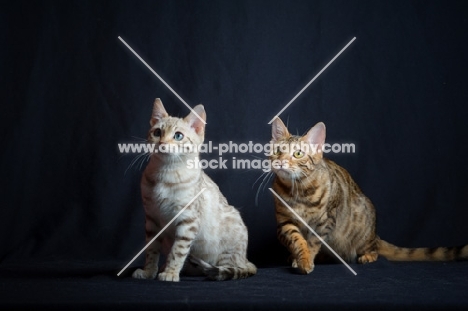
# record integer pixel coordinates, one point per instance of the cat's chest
(163, 201)
(169, 184)
(169, 195)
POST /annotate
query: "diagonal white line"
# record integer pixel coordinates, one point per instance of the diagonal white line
(159, 77)
(313, 231)
(313, 79)
(162, 230)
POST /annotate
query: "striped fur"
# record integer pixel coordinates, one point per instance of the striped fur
(327, 198)
(210, 230)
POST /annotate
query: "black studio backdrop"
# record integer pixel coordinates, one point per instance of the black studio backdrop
(72, 91)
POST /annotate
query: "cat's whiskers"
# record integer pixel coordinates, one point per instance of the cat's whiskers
(259, 179)
(264, 182)
(264, 175)
(145, 158)
(139, 139)
(268, 178)
(303, 173)
(135, 161)
(256, 157)
(135, 140)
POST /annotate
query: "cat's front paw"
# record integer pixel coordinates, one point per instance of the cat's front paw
(168, 276)
(305, 266)
(294, 263)
(144, 274)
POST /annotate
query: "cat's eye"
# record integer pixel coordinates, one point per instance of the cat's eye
(298, 154)
(276, 151)
(178, 136)
(157, 133)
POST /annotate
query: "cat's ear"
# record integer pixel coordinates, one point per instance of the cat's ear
(279, 130)
(315, 137)
(193, 119)
(158, 112)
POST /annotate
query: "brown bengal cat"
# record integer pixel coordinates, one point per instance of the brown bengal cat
(325, 196)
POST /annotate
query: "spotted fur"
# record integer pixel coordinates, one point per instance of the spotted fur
(210, 230)
(327, 198)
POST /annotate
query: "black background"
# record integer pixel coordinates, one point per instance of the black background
(73, 91)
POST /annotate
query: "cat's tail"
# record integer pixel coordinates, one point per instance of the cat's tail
(395, 253)
(221, 273)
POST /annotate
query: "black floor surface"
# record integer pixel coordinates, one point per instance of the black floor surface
(386, 285)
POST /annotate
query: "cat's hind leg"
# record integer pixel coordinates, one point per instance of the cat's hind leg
(368, 258)
(368, 253)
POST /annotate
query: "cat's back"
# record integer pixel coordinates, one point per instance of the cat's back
(217, 204)
(341, 181)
